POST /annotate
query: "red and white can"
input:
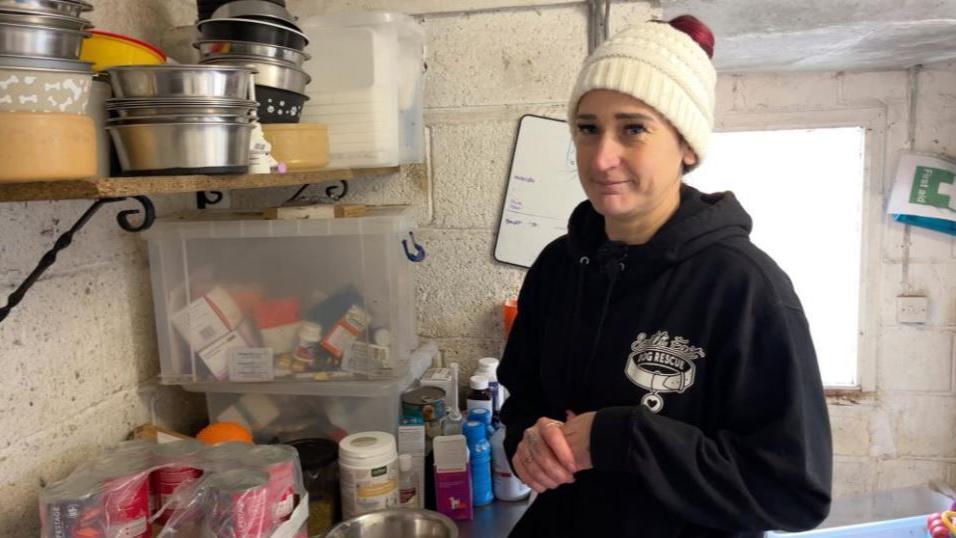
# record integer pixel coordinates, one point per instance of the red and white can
(124, 479)
(72, 508)
(240, 504)
(282, 464)
(224, 456)
(175, 466)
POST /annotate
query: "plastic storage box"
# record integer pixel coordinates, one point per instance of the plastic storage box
(283, 300)
(897, 513)
(289, 411)
(367, 75)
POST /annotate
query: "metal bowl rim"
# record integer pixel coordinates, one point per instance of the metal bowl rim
(216, 58)
(249, 125)
(254, 21)
(84, 6)
(398, 512)
(13, 10)
(277, 7)
(298, 52)
(46, 70)
(84, 33)
(174, 67)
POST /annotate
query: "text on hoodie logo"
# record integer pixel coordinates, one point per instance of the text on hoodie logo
(661, 364)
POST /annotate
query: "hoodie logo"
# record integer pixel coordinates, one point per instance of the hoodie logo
(661, 364)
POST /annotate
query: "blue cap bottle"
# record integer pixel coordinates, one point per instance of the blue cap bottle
(480, 414)
(476, 434)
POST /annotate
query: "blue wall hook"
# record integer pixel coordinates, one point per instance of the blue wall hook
(420, 250)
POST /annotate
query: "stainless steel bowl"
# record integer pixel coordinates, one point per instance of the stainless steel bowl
(43, 41)
(175, 80)
(396, 524)
(181, 146)
(73, 8)
(242, 111)
(260, 8)
(131, 102)
(182, 118)
(38, 62)
(272, 73)
(53, 20)
(250, 48)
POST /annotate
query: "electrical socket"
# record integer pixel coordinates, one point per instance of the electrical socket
(912, 309)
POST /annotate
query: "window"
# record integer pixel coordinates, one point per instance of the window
(804, 189)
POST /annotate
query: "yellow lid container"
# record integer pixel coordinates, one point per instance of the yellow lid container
(107, 50)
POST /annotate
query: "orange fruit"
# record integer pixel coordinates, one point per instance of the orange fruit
(222, 432)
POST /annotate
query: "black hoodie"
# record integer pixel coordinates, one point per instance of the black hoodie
(694, 351)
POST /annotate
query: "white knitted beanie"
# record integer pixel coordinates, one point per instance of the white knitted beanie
(664, 68)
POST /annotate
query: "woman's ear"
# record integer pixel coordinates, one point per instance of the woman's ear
(689, 156)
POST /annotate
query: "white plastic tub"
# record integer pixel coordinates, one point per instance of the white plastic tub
(367, 75)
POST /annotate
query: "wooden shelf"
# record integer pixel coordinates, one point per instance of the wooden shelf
(132, 186)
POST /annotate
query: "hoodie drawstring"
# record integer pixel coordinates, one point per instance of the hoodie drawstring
(613, 268)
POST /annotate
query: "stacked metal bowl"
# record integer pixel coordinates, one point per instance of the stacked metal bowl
(262, 35)
(182, 119)
(39, 56)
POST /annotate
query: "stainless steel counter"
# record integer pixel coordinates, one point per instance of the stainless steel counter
(494, 520)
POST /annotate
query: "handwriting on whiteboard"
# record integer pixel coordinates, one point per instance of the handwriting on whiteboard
(543, 189)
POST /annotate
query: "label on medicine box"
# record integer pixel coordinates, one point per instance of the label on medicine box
(367, 358)
(251, 364)
(216, 356)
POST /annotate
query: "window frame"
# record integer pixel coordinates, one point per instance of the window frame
(873, 121)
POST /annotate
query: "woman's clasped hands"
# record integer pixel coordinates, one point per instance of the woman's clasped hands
(551, 451)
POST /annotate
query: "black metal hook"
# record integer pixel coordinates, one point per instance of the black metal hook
(419, 250)
(66, 239)
(149, 215)
(330, 190)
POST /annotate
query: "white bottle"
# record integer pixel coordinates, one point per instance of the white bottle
(480, 394)
(408, 496)
(453, 418)
(488, 367)
(507, 486)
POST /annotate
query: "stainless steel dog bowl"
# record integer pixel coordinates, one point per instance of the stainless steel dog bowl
(145, 108)
(396, 524)
(182, 118)
(272, 73)
(248, 48)
(72, 8)
(177, 80)
(39, 62)
(43, 41)
(11, 15)
(181, 147)
(259, 8)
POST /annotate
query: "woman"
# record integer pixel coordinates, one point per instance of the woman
(662, 377)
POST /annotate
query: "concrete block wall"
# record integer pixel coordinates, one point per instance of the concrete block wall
(900, 433)
(79, 353)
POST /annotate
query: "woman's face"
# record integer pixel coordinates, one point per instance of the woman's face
(629, 156)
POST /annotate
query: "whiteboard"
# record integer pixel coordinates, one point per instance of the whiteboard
(543, 190)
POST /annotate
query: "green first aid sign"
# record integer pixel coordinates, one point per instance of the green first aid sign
(932, 187)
